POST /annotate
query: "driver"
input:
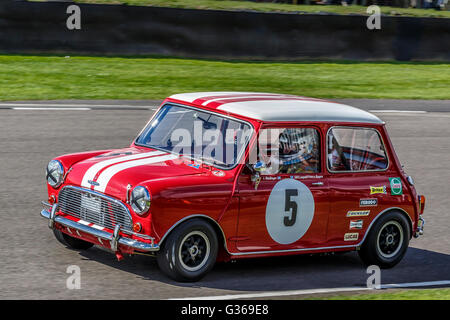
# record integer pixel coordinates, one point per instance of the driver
(298, 151)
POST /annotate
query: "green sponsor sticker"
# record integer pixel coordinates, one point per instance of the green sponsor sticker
(396, 186)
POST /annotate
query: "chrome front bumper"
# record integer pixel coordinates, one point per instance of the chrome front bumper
(114, 238)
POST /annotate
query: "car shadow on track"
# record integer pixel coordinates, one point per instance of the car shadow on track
(289, 272)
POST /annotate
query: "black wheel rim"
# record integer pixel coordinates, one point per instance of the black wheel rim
(194, 251)
(390, 239)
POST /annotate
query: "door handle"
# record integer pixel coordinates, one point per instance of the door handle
(317, 183)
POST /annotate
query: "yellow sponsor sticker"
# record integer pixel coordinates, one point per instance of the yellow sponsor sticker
(358, 213)
(375, 190)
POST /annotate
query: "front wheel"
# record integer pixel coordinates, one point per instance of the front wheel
(387, 241)
(189, 252)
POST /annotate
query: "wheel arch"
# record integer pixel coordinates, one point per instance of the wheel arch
(384, 212)
(219, 232)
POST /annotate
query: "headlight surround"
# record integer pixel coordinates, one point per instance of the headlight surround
(140, 200)
(55, 173)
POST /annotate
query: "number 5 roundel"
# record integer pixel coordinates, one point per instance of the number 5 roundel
(289, 211)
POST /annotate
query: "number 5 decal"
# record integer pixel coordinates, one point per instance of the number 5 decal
(289, 204)
(289, 211)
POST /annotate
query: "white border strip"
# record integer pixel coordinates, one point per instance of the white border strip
(316, 291)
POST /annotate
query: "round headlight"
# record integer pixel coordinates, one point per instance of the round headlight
(140, 200)
(55, 173)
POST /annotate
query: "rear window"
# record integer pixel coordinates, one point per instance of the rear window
(355, 149)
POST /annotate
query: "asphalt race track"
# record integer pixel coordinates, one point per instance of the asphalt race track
(33, 264)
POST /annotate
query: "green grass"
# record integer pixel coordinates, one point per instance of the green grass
(271, 7)
(425, 294)
(25, 77)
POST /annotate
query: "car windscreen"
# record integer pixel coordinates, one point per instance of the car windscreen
(197, 134)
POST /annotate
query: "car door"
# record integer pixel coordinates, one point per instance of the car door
(359, 182)
(287, 207)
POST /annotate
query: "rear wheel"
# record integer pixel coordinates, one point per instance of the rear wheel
(189, 252)
(387, 241)
(71, 242)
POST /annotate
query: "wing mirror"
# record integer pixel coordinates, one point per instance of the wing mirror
(257, 168)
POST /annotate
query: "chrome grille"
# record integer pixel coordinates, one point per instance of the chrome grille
(94, 207)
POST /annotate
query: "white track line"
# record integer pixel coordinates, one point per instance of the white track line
(316, 291)
(70, 107)
(397, 111)
(52, 109)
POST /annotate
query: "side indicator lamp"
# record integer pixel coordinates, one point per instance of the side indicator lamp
(421, 204)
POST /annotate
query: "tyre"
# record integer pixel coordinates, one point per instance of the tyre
(189, 252)
(387, 241)
(71, 242)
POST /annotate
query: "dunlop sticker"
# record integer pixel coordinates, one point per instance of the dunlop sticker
(375, 190)
(358, 213)
(351, 236)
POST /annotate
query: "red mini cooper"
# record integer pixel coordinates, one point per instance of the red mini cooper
(217, 176)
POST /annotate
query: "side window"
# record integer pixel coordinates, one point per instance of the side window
(289, 151)
(355, 149)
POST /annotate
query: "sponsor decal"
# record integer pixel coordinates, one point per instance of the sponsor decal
(194, 165)
(269, 178)
(375, 190)
(356, 224)
(396, 186)
(368, 202)
(289, 211)
(310, 177)
(218, 173)
(358, 213)
(351, 236)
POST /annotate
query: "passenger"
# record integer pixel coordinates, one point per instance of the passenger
(335, 156)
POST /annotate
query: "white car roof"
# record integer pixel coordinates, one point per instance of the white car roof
(278, 107)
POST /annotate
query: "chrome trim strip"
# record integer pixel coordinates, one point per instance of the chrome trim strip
(356, 171)
(135, 244)
(239, 158)
(291, 250)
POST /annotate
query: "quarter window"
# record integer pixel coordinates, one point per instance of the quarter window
(355, 149)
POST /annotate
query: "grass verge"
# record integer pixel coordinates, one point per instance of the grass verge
(421, 294)
(26, 77)
(272, 7)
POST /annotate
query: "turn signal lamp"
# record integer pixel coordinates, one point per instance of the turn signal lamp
(421, 204)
